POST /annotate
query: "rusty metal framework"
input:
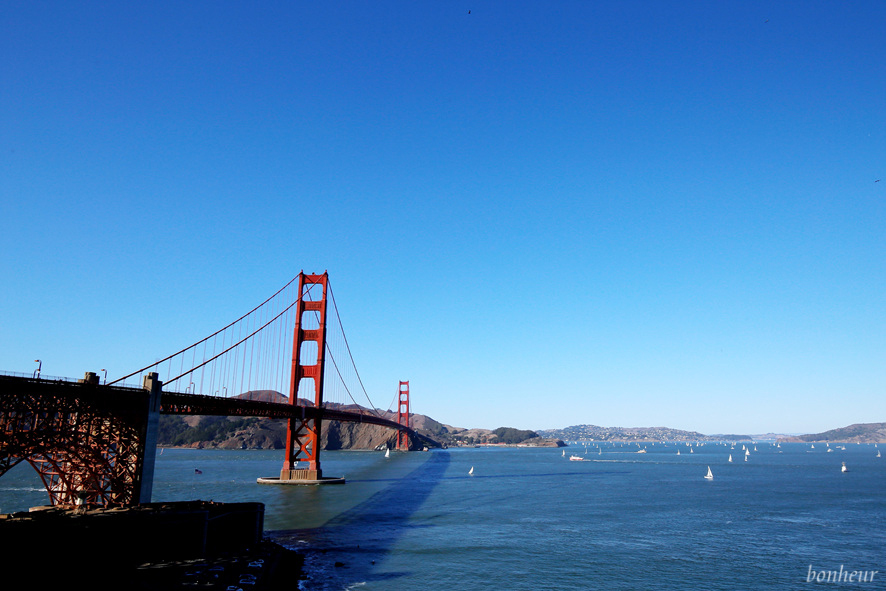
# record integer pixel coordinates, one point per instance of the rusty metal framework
(403, 416)
(303, 436)
(87, 442)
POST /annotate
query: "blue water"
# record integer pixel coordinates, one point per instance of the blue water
(531, 519)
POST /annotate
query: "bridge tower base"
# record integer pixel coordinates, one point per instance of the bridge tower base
(309, 478)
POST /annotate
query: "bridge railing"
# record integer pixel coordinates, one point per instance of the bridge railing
(41, 376)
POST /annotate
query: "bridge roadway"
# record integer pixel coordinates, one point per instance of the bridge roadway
(120, 398)
(176, 403)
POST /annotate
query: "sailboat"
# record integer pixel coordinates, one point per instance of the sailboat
(471, 471)
(564, 453)
(878, 453)
(388, 452)
(844, 468)
(730, 457)
(709, 475)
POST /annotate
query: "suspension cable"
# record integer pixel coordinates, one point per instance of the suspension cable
(210, 336)
(348, 347)
(244, 339)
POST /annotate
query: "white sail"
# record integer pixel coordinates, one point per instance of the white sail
(388, 452)
(730, 457)
(709, 475)
(471, 471)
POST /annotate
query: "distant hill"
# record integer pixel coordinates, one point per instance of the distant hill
(857, 433)
(596, 433)
(262, 433)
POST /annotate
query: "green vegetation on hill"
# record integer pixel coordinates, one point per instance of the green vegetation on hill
(175, 431)
(859, 432)
(511, 435)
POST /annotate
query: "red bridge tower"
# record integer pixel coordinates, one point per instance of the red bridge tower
(303, 436)
(403, 416)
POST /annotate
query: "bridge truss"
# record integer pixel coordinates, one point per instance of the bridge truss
(86, 442)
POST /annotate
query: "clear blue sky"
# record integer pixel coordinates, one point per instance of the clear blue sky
(540, 214)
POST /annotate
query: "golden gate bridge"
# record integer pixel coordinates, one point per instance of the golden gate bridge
(94, 443)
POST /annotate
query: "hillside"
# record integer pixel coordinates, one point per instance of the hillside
(596, 433)
(857, 433)
(260, 433)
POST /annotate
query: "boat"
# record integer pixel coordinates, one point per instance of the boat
(642, 451)
(388, 452)
(471, 471)
(730, 457)
(844, 468)
(678, 452)
(564, 453)
(576, 458)
(878, 453)
(709, 475)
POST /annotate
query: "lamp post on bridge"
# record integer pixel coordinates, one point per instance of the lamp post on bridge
(106, 375)
(37, 371)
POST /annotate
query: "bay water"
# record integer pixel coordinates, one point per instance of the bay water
(529, 518)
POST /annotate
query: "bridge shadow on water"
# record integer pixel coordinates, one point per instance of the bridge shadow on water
(348, 547)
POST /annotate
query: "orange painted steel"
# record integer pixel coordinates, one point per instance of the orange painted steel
(403, 416)
(303, 437)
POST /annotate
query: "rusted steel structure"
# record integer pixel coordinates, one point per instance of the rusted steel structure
(403, 416)
(89, 443)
